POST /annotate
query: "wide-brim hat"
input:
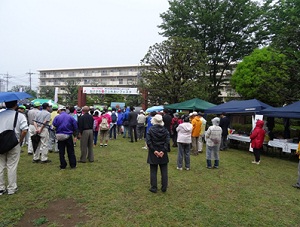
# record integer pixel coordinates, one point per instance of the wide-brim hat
(157, 120)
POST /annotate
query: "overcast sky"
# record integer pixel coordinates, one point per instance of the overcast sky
(46, 34)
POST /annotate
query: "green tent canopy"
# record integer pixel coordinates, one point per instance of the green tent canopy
(193, 104)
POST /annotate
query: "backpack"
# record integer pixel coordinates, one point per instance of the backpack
(113, 118)
(104, 124)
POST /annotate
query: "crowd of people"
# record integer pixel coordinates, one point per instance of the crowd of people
(58, 129)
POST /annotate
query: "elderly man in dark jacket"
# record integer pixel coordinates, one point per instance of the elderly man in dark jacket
(132, 118)
(158, 142)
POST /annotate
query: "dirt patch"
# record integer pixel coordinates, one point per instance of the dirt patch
(65, 212)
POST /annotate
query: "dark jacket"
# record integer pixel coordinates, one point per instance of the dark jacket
(167, 118)
(157, 140)
(85, 122)
(132, 118)
(224, 124)
(258, 135)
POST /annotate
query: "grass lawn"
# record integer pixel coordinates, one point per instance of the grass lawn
(114, 190)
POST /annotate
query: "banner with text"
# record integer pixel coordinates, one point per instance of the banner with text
(110, 90)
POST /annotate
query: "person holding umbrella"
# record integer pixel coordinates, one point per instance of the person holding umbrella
(10, 159)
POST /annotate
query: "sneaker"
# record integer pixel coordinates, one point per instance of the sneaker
(216, 167)
(179, 168)
(46, 161)
(296, 186)
(35, 161)
(12, 192)
(2, 192)
(145, 148)
(105, 145)
(208, 167)
(101, 145)
(153, 190)
(187, 169)
(254, 162)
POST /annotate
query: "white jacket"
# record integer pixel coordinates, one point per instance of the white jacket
(184, 132)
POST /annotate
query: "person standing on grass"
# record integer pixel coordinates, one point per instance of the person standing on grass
(41, 124)
(113, 124)
(65, 124)
(75, 134)
(120, 122)
(53, 145)
(31, 131)
(213, 138)
(96, 126)
(184, 140)
(132, 119)
(141, 120)
(257, 137)
(167, 118)
(104, 122)
(148, 126)
(11, 159)
(202, 132)
(85, 126)
(174, 124)
(297, 185)
(224, 124)
(158, 139)
(196, 122)
(126, 123)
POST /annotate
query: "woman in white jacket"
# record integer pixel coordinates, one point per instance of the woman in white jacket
(213, 140)
(184, 140)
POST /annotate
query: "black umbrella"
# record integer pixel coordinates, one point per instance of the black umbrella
(35, 139)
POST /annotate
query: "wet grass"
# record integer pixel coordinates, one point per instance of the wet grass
(114, 189)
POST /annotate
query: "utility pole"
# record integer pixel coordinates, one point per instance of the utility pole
(30, 73)
(7, 76)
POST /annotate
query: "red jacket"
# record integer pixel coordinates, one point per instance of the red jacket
(258, 135)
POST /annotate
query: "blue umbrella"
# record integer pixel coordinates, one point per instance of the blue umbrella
(12, 96)
(155, 108)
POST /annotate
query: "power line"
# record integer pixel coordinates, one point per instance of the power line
(30, 73)
(7, 76)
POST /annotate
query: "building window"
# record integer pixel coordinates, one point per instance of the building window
(124, 72)
(120, 81)
(104, 73)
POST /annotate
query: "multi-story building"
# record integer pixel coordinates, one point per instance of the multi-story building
(122, 76)
(113, 76)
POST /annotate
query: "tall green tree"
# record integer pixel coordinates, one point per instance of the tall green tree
(47, 92)
(71, 92)
(284, 24)
(228, 30)
(263, 75)
(175, 71)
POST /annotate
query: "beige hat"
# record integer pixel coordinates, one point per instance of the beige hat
(195, 113)
(157, 120)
